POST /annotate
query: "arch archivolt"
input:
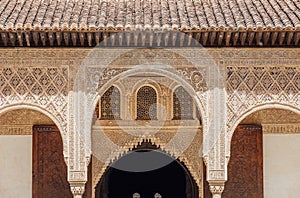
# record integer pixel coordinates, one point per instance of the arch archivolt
(259, 108)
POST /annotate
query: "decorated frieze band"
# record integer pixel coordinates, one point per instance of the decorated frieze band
(76, 175)
(63, 57)
(216, 174)
(44, 128)
(16, 130)
(281, 128)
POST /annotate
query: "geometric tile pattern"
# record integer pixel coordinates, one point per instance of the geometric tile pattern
(251, 86)
(41, 86)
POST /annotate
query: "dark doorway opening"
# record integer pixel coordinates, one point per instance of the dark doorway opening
(147, 171)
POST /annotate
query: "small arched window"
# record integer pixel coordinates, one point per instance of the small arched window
(110, 104)
(146, 104)
(182, 105)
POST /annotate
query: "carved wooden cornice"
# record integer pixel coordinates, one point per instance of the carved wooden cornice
(208, 38)
(149, 23)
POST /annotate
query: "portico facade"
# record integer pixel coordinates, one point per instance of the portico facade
(195, 80)
(263, 67)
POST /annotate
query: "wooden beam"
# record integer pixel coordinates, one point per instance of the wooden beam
(198, 37)
(243, 38)
(105, 35)
(136, 38)
(167, 36)
(51, 38)
(297, 38)
(12, 38)
(20, 38)
(190, 39)
(43, 38)
(66, 38)
(74, 38)
(174, 38)
(97, 38)
(143, 35)
(27, 38)
(281, 37)
(258, 37)
(250, 37)
(4, 38)
(58, 38)
(274, 37)
(204, 38)
(158, 39)
(35, 36)
(227, 38)
(151, 37)
(120, 35)
(236, 38)
(82, 38)
(89, 38)
(113, 39)
(266, 37)
(182, 39)
(128, 38)
(289, 38)
(212, 37)
(220, 38)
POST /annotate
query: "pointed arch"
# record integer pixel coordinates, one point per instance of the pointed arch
(62, 128)
(139, 153)
(251, 111)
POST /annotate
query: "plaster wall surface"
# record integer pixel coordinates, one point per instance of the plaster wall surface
(16, 166)
(281, 165)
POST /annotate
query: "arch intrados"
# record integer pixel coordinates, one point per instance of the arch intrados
(40, 110)
(160, 151)
(256, 109)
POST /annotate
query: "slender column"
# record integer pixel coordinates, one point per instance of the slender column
(216, 188)
(77, 189)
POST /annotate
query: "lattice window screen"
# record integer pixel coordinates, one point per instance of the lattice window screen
(146, 104)
(182, 105)
(110, 104)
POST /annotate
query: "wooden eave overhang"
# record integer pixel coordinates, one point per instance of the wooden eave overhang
(150, 23)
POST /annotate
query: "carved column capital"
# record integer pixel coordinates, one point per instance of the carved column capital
(77, 189)
(216, 188)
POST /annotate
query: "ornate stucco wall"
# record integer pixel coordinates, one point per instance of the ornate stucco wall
(250, 79)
